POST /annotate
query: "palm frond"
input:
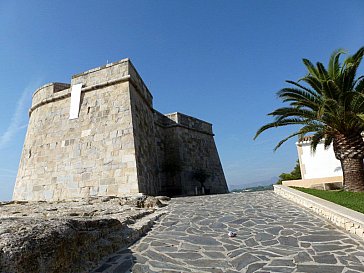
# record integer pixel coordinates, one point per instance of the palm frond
(311, 68)
(356, 57)
(328, 140)
(314, 82)
(316, 139)
(359, 84)
(280, 123)
(293, 112)
(334, 65)
(299, 97)
(303, 131)
(326, 101)
(323, 75)
(308, 90)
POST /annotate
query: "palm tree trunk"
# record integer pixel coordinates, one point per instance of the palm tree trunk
(353, 173)
(349, 149)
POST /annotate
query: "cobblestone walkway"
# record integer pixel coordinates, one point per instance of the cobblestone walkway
(273, 235)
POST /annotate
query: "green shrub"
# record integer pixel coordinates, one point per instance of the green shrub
(294, 175)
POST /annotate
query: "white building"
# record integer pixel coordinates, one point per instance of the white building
(318, 168)
(321, 163)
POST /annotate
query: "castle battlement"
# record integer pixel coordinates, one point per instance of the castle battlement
(93, 79)
(100, 136)
(189, 122)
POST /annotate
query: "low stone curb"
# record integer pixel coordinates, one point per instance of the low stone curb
(345, 218)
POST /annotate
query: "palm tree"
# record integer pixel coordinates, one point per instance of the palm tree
(330, 104)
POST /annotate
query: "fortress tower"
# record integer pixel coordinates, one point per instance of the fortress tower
(100, 136)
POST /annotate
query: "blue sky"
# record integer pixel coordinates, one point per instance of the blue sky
(220, 61)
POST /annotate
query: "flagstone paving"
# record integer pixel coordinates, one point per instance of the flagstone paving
(273, 235)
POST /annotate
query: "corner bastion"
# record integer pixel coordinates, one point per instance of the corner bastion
(118, 145)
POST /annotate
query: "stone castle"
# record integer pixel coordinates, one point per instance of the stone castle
(100, 136)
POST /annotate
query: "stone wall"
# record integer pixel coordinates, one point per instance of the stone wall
(145, 148)
(88, 156)
(118, 146)
(189, 148)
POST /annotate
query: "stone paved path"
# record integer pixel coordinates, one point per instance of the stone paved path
(273, 235)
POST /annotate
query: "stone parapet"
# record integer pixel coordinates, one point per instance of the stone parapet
(93, 79)
(48, 91)
(103, 73)
(190, 122)
(139, 85)
(345, 218)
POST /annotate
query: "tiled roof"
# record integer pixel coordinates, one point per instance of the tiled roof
(305, 138)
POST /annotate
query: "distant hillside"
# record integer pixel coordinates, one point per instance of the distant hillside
(267, 182)
(251, 189)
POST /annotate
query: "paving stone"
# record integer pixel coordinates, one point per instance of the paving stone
(185, 255)
(288, 241)
(251, 242)
(165, 248)
(350, 241)
(214, 248)
(264, 237)
(214, 255)
(278, 262)
(200, 240)
(287, 232)
(141, 259)
(209, 263)
(269, 243)
(267, 253)
(242, 261)
(302, 257)
(319, 268)
(350, 259)
(254, 267)
(164, 265)
(274, 235)
(159, 257)
(325, 259)
(356, 267)
(317, 238)
(279, 269)
(248, 224)
(218, 226)
(230, 247)
(141, 247)
(329, 247)
(274, 230)
(141, 268)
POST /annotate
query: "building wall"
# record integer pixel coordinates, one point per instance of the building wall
(145, 146)
(322, 163)
(118, 146)
(91, 155)
(189, 147)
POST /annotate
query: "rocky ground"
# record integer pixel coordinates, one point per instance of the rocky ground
(71, 236)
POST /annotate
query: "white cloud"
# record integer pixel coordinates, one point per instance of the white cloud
(18, 120)
(8, 171)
